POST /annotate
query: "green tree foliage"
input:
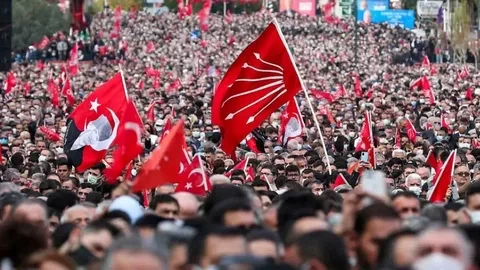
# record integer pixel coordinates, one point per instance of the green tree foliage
(33, 19)
(461, 24)
(97, 5)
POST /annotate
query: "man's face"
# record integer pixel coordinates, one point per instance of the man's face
(317, 189)
(220, 156)
(209, 157)
(83, 192)
(327, 132)
(263, 249)
(97, 242)
(68, 185)
(443, 241)
(267, 173)
(406, 207)
(80, 217)
(218, 247)
(236, 182)
(167, 210)
(462, 175)
(307, 176)
(376, 230)
(32, 213)
(63, 172)
(293, 175)
(413, 182)
(474, 202)
(41, 145)
(424, 173)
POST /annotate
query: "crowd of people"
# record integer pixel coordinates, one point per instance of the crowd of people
(291, 215)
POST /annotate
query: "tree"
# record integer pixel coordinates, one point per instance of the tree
(33, 19)
(461, 25)
(97, 5)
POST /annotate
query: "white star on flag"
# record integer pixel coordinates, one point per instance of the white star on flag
(94, 105)
(188, 185)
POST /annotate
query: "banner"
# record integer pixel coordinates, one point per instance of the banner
(372, 5)
(428, 9)
(302, 7)
(403, 18)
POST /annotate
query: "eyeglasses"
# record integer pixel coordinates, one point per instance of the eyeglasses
(464, 174)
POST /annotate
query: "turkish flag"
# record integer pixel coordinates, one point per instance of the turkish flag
(93, 125)
(357, 87)
(44, 43)
(194, 179)
(242, 165)
(292, 124)
(339, 180)
(128, 142)
(63, 74)
(53, 91)
(366, 142)
(10, 82)
(151, 72)
(51, 135)
(416, 83)
(469, 94)
(322, 95)
(433, 162)
(73, 61)
(162, 166)
(444, 180)
(250, 174)
(151, 111)
(445, 124)
(262, 78)
(141, 85)
(67, 92)
(411, 132)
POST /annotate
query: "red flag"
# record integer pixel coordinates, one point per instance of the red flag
(73, 61)
(93, 125)
(366, 142)
(229, 17)
(416, 83)
(44, 43)
(156, 83)
(292, 123)
(444, 180)
(341, 92)
(326, 111)
(433, 162)
(162, 166)
(10, 82)
(40, 65)
(63, 74)
(427, 89)
(250, 174)
(194, 179)
(242, 165)
(203, 15)
(50, 134)
(128, 171)
(426, 62)
(128, 141)
(53, 91)
(166, 128)
(475, 143)
(469, 94)
(150, 47)
(118, 13)
(339, 180)
(67, 92)
(151, 72)
(252, 143)
(398, 138)
(445, 124)
(261, 79)
(357, 87)
(132, 13)
(322, 95)
(27, 87)
(464, 73)
(411, 132)
(369, 93)
(141, 85)
(151, 111)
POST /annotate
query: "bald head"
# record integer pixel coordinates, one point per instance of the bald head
(188, 205)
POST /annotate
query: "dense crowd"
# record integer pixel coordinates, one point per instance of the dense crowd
(291, 213)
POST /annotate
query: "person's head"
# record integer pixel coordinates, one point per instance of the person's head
(61, 199)
(223, 192)
(32, 210)
(64, 169)
(292, 172)
(84, 190)
(397, 250)
(461, 175)
(472, 200)
(442, 247)
(188, 205)
(264, 243)
(48, 186)
(453, 209)
(372, 224)
(165, 189)
(78, 215)
(48, 259)
(135, 252)
(165, 206)
(210, 245)
(7, 201)
(233, 213)
(319, 250)
(95, 174)
(316, 187)
(413, 183)
(406, 204)
(259, 185)
(71, 183)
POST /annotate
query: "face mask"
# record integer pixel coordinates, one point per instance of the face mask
(475, 217)
(63, 129)
(386, 122)
(34, 118)
(351, 134)
(4, 141)
(396, 173)
(438, 261)
(359, 121)
(440, 138)
(419, 152)
(415, 189)
(59, 150)
(208, 122)
(299, 147)
(92, 179)
(477, 125)
(196, 134)
(26, 141)
(464, 145)
(134, 172)
(83, 256)
(42, 158)
(14, 130)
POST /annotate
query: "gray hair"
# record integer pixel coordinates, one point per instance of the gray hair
(8, 187)
(67, 212)
(156, 247)
(11, 174)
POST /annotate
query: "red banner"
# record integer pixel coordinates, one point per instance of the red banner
(302, 7)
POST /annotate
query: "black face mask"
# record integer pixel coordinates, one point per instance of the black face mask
(396, 173)
(82, 256)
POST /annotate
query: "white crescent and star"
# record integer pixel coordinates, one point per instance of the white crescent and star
(136, 129)
(200, 171)
(94, 105)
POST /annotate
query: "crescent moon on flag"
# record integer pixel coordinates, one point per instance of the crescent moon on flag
(200, 171)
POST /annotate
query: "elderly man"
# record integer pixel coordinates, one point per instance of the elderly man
(188, 205)
(78, 214)
(413, 183)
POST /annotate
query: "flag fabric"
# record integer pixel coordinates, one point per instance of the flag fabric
(262, 78)
(326, 111)
(341, 92)
(156, 83)
(27, 87)
(151, 111)
(203, 15)
(53, 91)
(357, 86)
(427, 89)
(166, 128)
(249, 174)
(151, 72)
(40, 65)
(444, 180)
(416, 83)
(445, 124)
(411, 132)
(469, 94)
(63, 74)
(141, 85)
(67, 92)
(339, 180)
(398, 138)
(150, 47)
(464, 73)
(366, 142)
(433, 162)
(242, 165)
(162, 166)
(73, 61)
(292, 124)
(9, 83)
(322, 95)
(252, 143)
(426, 62)
(44, 43)
(129, 142)
(194, 179)
(93, 125)
(51, 135)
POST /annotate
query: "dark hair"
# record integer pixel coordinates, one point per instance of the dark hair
(280, 181)
(238, 172)
(94, 197)
(369, 213)
(9, 199)
(473, 189)
(263, 234)
(220, 193)
(111, 215)
(86, 185)
(150, 221)
(405, 194)
(257, 182)
(48, 184)
(162, 198)
(453, 206)
(307, 170)
(236, 178)
(63, 162)
(218, 212)
(387, 247)
(326, 247)
(100, 225)
(61, 199)
(292, 168)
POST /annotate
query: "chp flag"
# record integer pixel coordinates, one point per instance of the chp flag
(292, 124)
(93, 126)
(260, 80)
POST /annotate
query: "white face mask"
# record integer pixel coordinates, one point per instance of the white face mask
(59, 150)
(42, 158)
(351, 134)
(415, 189)
(299, 147)
(438, 261)
(475, 217)
(134, 172)
(63, 129)
(419, 152)
(196, 134)
(463, 145)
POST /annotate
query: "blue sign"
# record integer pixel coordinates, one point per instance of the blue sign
(403, 18)
(372, 4)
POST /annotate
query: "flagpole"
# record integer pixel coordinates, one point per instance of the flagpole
(305, 91)
(123, 81)
(205, 186)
